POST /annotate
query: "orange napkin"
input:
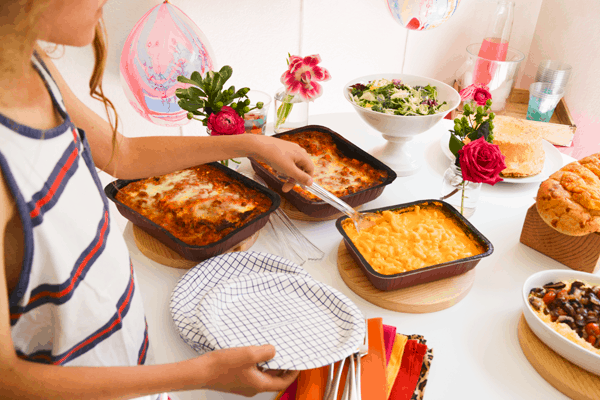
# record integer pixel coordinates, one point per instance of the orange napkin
(395, 361)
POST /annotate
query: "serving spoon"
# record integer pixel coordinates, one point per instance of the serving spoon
(362, 220)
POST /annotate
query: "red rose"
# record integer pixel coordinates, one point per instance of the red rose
(481, 95)
(225, 122)
(481, 161)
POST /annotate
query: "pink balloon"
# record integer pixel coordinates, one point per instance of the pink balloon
(164, 44)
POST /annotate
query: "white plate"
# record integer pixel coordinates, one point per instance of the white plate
(571, 351)
(552, 163)
(199, 280)
(309, 323)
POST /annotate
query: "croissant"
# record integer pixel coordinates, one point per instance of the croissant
(569, 200)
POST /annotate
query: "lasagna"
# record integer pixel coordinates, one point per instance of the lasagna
(334, 171)
(198, 205)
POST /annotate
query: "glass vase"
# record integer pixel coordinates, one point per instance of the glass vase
(461, 194)
(290, 112)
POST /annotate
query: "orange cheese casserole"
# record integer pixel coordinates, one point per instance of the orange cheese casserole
(335, 172)
(402, 240)
(198, 205)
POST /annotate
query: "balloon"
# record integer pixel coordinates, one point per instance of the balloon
(163, 44)
(420, 15)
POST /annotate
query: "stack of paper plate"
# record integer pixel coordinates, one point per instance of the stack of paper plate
(249, 299)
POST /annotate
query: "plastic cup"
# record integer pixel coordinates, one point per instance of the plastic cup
(255, 121)
(543, 98)
(555, 72)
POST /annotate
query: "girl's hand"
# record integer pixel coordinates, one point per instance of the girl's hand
(234, 371)
(285, 157)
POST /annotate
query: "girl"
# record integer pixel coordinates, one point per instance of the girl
(67, 288)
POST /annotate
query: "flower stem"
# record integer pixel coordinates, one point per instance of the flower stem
(462, 198)
(284, 110)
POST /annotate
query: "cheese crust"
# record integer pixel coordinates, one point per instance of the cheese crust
(198, 205)
(335, 172)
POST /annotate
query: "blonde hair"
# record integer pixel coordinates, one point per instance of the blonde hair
(19, 20)
(96, 91)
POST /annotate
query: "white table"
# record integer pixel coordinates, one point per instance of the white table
(477, 354)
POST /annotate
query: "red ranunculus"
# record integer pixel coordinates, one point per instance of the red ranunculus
(481, 95)
(225, 122)
(481, 161)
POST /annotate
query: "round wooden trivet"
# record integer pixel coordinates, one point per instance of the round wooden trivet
(424, 298)
(565, 376)
(162, 254)
(294, 213)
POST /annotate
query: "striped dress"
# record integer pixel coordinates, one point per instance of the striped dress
(76, 303)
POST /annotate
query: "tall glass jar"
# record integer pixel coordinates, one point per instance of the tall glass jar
(461, 194)
(290, 112)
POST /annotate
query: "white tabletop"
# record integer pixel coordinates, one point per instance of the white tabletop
(476, 350)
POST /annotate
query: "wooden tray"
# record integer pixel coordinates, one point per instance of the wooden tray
(559, 131)
(162, 254)
(424, 298)
(581, 253)
(565, 376)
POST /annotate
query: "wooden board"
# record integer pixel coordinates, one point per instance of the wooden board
(559, 131)
(565, 376)
(294, 213)
(581, 253)
(155, 250)
(425, 298)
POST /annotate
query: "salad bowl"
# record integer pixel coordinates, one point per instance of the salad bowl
(399, 130)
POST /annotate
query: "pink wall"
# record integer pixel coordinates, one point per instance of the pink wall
(570, 31)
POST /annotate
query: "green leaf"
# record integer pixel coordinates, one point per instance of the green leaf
(455, 144)
(225, 73)
(196, 78)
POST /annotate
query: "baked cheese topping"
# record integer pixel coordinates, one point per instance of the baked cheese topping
(197, 205)
(335, 172)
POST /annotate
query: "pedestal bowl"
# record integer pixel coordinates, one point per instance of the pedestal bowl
(399, 130)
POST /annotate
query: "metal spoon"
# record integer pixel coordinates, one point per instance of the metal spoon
(361, 220)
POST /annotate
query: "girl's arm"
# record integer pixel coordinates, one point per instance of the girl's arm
(232, 370)
(142, 157)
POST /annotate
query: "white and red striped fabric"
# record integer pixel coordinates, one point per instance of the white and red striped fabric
(76, 303)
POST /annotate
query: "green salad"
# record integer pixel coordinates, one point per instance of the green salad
(395, 98)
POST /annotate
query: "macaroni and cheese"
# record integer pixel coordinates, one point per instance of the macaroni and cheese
(403, 241)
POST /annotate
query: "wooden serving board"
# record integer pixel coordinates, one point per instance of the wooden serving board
(424, 298)
(565, 376)
(294, 213)
(155, 250)
(581, 253)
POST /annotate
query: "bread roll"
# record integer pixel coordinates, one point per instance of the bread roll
(569, 200)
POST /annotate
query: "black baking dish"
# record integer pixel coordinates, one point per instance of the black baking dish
(426, 274)
(320, 209)
(192, 252)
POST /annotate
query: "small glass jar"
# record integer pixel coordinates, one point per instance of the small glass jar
(290, 112)
(461, 194)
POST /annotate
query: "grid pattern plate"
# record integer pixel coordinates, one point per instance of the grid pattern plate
(309, 323)
(192, 287)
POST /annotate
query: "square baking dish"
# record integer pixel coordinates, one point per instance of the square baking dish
(320, 209)
(427, 274)
(192, 252)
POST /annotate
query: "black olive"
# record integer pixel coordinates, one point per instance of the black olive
(556, 286)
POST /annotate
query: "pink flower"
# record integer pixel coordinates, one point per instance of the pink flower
(302, 77)
(481, 161)
(481, 95)
(473, 90)
(225, 122)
